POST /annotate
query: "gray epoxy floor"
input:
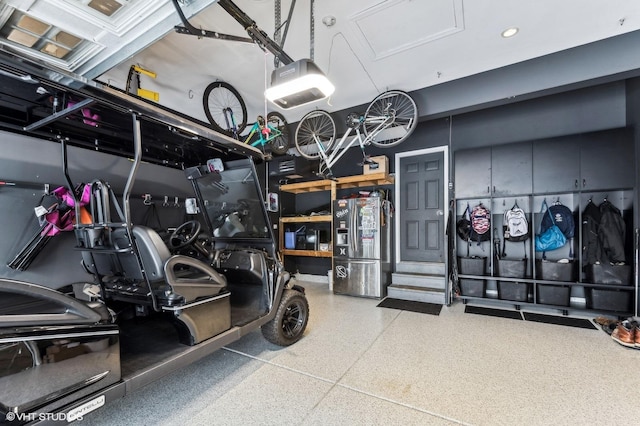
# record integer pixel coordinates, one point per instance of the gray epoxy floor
(363, 365)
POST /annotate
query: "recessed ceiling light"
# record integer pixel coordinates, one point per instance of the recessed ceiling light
(510, 32)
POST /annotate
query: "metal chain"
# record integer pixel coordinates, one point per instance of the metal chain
(312, 32)
(277, 35)
(278, 21)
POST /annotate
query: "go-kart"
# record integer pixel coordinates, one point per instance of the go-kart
(152, 304)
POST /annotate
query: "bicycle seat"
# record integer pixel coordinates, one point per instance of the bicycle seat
(354, 120)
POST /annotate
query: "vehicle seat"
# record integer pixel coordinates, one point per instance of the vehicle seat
(176, 279)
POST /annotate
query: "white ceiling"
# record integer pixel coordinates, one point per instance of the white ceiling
(374, 45)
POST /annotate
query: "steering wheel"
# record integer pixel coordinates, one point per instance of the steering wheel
(185, 234)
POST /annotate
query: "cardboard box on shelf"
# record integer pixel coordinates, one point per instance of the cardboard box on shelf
(380, 165)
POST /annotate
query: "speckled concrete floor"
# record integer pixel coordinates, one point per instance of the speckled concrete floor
(363, 365)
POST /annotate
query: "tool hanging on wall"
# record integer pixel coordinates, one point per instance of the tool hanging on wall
(134, 73)
(59, 217)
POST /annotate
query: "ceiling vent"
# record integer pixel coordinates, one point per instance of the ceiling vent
(394, 26)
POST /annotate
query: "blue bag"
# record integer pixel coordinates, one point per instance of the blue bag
(562, 217)
(552, 238)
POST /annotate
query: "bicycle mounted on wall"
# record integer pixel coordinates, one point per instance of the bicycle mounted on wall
(227, 113)
(389, 119)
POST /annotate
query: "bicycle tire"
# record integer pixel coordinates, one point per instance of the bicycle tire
(279, 144)
(404, 122)
(315, 124)
(218, 96)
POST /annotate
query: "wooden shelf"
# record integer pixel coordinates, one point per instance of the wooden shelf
(310, 186)
(306, 219)
(309, 253)
(372, 179)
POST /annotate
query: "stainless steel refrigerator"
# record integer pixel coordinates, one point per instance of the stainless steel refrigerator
(361, 251)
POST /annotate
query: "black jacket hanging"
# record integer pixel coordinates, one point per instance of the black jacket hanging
(591, 250)
(611, 234)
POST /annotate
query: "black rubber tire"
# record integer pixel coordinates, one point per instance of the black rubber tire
(404, 122)
(290, 321)
(218, 96)
(315, 124)
(279, 145)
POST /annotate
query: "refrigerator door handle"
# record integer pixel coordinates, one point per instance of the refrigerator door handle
(353, 228)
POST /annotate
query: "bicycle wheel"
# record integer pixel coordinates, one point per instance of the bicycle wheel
(316, 127)
(225, 108)
(279, 144)
(405, 118)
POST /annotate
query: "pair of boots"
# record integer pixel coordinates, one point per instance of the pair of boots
(627, 333)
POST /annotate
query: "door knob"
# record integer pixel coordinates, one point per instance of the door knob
(440, 213)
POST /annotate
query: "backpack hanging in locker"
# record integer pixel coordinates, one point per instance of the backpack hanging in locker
(480, 224)
(515, 227)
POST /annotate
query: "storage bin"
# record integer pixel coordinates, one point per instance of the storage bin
(609, 274)
(609, 300)
(516, 291)
(472, 288)
(511, 268)
(475, 265)
(553, 295)
(290, 240)
(554, 271)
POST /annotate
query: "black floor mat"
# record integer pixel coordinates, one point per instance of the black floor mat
(502, 313)
(410, 305)
(552, 319)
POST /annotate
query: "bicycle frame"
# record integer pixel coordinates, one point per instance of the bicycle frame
(337, 151)
(231, 122)
(257, 128)
(262, 141)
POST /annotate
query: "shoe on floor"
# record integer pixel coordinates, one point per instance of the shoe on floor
(637, 335)
(604, 320)
(625, 334)
(607, 324)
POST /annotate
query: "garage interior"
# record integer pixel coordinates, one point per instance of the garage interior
(564, 90)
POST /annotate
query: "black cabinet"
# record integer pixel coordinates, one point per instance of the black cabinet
(590, 162)
(473, 172)
(607, 161)
(511, 169)
(556, 165)
(499, 171)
